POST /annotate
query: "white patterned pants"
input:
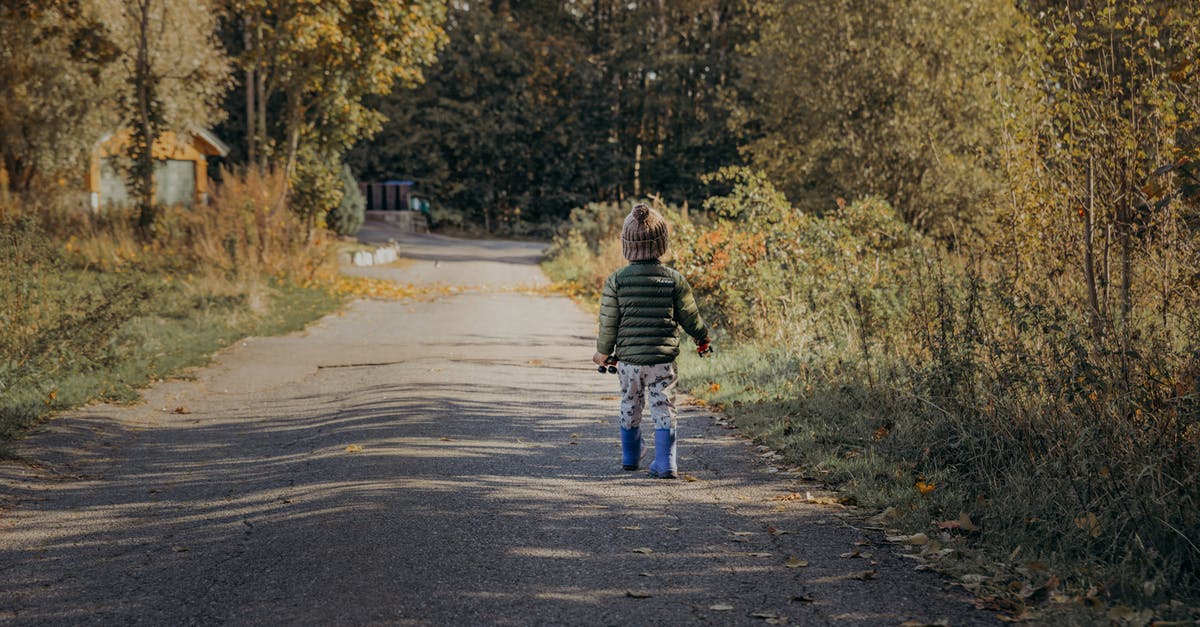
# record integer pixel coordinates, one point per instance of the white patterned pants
(653, 385)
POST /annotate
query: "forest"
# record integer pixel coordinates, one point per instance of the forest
(951, 247)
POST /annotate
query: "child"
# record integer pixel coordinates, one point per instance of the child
(642, 306)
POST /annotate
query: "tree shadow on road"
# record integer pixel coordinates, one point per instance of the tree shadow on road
(404, 503)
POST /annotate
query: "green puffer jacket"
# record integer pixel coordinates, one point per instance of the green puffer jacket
(642, 306)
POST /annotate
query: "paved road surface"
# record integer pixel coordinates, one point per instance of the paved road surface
(443, 462)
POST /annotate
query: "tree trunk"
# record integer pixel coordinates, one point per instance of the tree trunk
(1089, 262)
(251, 88)
(261, 98)
(145, 130)
(637, 172)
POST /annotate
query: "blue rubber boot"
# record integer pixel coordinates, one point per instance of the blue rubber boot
(631, 447)
(663, 466)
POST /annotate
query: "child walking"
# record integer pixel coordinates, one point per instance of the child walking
(641, 309)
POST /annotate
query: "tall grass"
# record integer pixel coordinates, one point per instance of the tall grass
(91, 310)
(947, 384)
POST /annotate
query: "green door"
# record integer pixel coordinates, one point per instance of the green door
(113, 193)
(175, 183)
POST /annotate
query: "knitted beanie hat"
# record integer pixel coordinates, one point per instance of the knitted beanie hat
(644, 234)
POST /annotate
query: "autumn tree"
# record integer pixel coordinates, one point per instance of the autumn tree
(56, 71)
(543, 105)
(1125, 94)
(895, 99)
(307, 70)
(174, 74)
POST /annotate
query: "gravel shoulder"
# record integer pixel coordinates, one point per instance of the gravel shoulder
(450, 461)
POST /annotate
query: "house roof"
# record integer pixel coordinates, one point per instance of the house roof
(219, 148)
(211, 144)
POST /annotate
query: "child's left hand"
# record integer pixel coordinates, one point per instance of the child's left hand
(600, 359)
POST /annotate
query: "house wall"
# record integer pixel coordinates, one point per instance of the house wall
(167, 148)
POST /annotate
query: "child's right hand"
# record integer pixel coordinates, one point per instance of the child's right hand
(599, 359)
(704, 348)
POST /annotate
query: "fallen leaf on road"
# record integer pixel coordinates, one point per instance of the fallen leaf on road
(863, 575)
(790, 496)
(447, 439)
(856, 553)
(179, 549)
(720, 607)
(181, 410)
(917, 539)
(674, 528)
(354, 448)
(759, 554)
(885, 517)
(645, 574)
(572, 444)
(824, 500)
(765, 615)
(795, 562)
(743, 533)
(803, 598)
(771, 529)
(964, 523)
(643, 551)
(689, 478)
(638, 594)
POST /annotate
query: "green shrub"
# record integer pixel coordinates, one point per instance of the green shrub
(347, 217)
(317, 187)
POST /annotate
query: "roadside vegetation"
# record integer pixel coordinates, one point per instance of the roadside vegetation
(90, 311)
(983, 324)
(99, 295)
(933, 387)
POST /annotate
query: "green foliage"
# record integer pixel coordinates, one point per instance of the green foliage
(347, 217)
(309, 66)
(539, 107)
(56, 63)
(317, 187)
(901, 100)
(872, 357)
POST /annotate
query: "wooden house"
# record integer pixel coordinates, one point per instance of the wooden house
(180, 176)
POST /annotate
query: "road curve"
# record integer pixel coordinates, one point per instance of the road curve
(451, 461)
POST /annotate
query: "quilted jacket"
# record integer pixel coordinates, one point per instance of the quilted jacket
(642, 307)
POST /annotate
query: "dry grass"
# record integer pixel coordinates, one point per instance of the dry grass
(940, 385)
(93, 310)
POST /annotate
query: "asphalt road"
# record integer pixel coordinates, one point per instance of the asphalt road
(450, 462)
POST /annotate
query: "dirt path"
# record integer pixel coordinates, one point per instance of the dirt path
(443, 462)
